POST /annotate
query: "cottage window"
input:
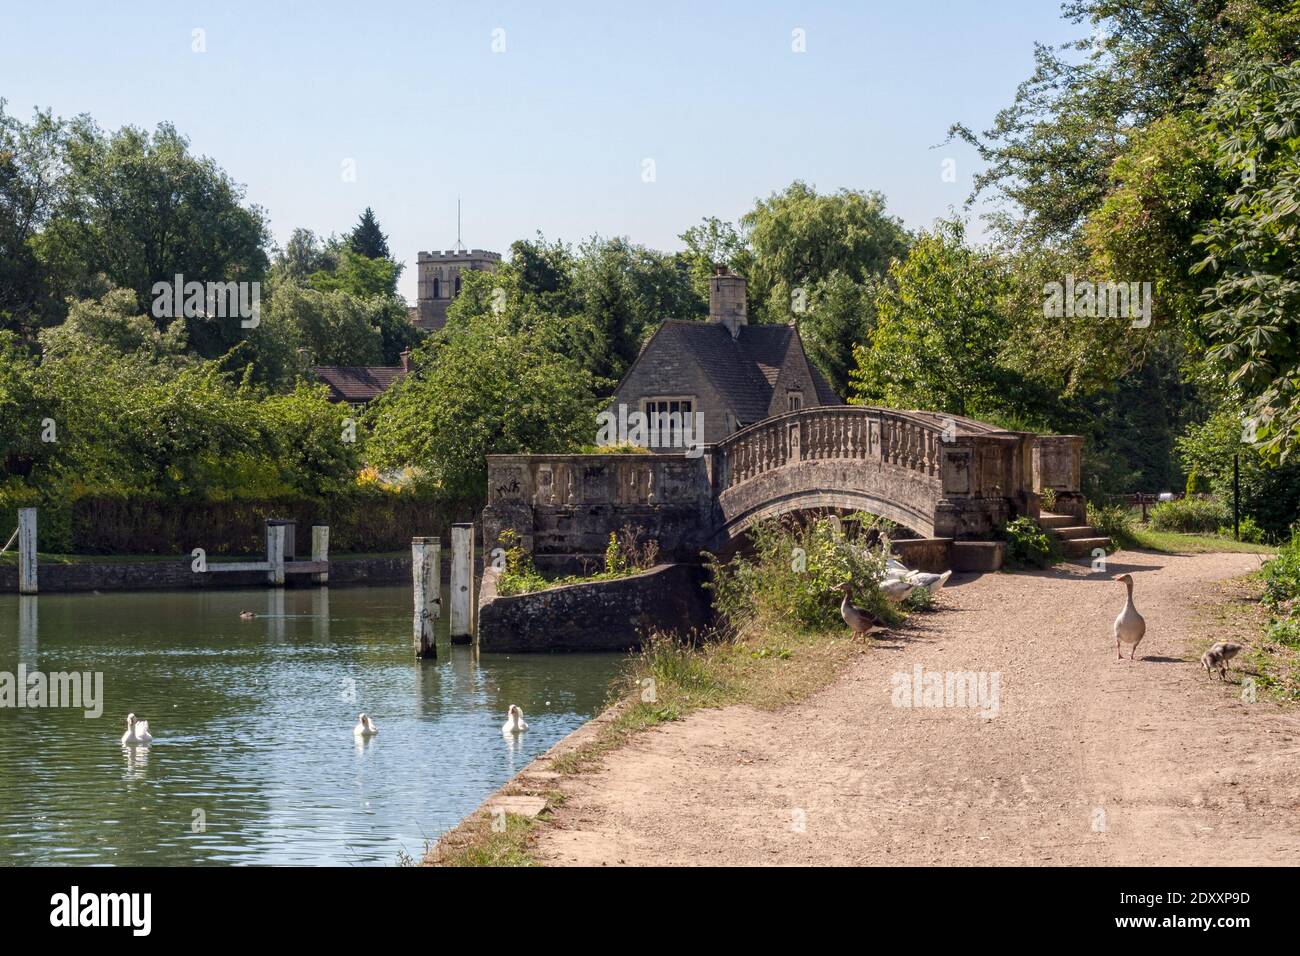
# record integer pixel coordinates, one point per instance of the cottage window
(670, 422)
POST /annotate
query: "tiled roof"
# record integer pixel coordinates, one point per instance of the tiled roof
(355, 384)
(744, 369)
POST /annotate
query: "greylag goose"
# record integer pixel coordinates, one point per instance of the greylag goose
(859, 620)
(1130, 627)
(1217, 657)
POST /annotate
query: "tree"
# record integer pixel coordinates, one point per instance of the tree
(367, 239)
(357, 275)
(495, 391)
(938, 340)
(140, 209)
(30, 188)
(1252, 252)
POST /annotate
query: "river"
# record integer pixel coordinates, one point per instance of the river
(254, 760)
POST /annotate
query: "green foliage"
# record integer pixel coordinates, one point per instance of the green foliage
(481, 389)
(1270, 492)
(1282, 574)
(1028, 545)
(1253, 250)
(358, 275)
(1247, 530)
(1190, 516)
(367, 239)
(1114, 522)
(626, 554)
(794, 573)
(940, 332)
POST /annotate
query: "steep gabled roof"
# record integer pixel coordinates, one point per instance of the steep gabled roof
(355, 384)
(744, 369)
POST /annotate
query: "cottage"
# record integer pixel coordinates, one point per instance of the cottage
(723, 374)
(358, 384)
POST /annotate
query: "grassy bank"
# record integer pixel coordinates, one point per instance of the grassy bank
(766, 665)
(1171, 542)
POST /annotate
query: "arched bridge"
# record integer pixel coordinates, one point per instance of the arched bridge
(940, 476)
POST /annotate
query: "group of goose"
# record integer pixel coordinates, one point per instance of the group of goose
(1129, 628)
(898, 583)
(137, 731)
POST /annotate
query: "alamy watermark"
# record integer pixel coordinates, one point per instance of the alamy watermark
(652, 430)
(973, 689)
(212, 300)
(78, 690)
(1098, 300)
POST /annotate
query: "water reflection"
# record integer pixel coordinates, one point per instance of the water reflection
(253, 725)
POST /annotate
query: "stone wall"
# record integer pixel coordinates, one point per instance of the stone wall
(595, 615)
(177, 574)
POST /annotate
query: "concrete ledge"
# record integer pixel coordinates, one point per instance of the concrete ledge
(933, 555)
(978, 555)
(595, 615)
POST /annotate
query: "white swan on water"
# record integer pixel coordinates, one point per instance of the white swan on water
(137, 732)
(514, 721)
(365, 727)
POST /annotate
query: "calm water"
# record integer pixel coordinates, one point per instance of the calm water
(253, 721)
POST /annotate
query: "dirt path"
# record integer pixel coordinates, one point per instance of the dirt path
(1087, 761)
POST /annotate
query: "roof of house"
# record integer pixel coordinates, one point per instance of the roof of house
(355, 384)
(744, 369)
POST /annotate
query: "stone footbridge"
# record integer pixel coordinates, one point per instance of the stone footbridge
(942, 477)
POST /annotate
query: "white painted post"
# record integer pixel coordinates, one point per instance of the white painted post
(320, 550)
(426, 558)
(275, 554)
(26, 550)
(462, 583)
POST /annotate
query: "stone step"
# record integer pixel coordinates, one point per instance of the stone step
(1083, 547)
(1076, 531)
(1047, 519)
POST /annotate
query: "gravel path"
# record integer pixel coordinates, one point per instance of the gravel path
(1087, 761)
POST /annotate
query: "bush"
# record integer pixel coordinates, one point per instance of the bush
(1282, 574)
(1028, 545)
(795, 570)
(1191, 516)
(1113, 521)
(1247, 529)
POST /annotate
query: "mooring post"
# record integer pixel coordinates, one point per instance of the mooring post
(26, 550)
(462, 583)
(320, 550)
(426, 557)
(275, 554)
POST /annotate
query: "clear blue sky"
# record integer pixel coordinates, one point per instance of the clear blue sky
(550, 134)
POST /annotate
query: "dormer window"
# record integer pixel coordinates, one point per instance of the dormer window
(793, 401)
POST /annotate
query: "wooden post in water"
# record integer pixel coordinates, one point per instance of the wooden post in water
(320, 550)
(26, 550)
(426, 558)
(275, 554)
(462, 583)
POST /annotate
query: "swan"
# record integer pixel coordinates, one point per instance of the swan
(859, 620)
(1217, 657)
(514, 721)
(137, 732)
(246, 615)
(365, 727)
(1130, 627)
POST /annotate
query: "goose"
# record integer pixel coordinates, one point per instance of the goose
(365, 727)
(246, 615)
(137, 732)
(1130, 626)
(924, 579)
(859, 620)
(514, 721)
(1217, 657)
(896, 589)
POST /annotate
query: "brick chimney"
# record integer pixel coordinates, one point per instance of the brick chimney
(727, 299)
(405, 358)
